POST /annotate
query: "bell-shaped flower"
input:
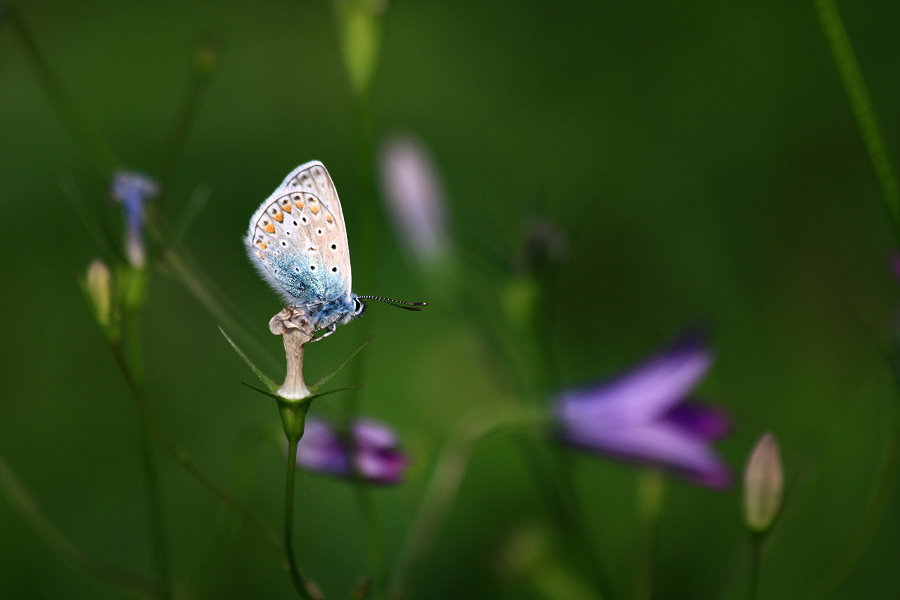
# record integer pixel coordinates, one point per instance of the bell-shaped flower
(134, 190)
(377, 457)
(643, 416)
(415, 197)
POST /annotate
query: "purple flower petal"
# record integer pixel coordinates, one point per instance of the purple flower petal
(377, 458)
(642, 417)
(647, 391)
(702, 421)
(134, 190)
(657, 444)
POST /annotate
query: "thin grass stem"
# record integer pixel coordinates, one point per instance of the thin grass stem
(861, 104)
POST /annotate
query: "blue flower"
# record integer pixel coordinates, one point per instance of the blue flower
(643, 416)
(134, 190)
(377, 456)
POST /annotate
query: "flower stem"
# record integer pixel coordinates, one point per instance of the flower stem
(297, 579)
(374, 541)
(195, 90)
(558, 484)
(130, 357)
(861, 104)
(756, 544)
(441, 490)
(157, 518)
(183, 459)
(651, 492)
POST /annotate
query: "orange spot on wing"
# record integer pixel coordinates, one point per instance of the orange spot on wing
(270, 228)
(287, 207)
(329, 219)
(314, 209)
(299, 204)
(262, 245)
(279, 217)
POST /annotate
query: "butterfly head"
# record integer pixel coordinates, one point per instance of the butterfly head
(359, 309)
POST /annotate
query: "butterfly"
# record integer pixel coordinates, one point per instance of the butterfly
(298, 242)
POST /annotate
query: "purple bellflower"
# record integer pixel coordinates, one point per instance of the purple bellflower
(642, 416)
(378, 458)
(134, 190)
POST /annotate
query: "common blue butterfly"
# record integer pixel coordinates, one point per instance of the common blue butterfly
(298, 242)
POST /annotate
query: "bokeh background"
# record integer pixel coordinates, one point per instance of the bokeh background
(701, 158)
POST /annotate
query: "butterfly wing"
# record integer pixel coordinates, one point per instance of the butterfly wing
(298, 241)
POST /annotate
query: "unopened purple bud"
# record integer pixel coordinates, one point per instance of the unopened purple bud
(134, 190)
(415, 197)
(377, 459)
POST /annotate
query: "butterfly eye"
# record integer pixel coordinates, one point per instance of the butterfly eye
(358, 306)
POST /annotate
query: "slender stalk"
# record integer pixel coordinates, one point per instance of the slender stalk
(129, 351)
(374, 541)
(195, 90)
(366, 218)
(442, 488)
(650, 499)
(756, 544)
(188, 464)
(73, 121)
(861, 104)
(22, 500)
(157, 518)
(558, 486)
(876, 147)
(297, 579)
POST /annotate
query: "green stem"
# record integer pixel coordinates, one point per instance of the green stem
(297, 579)
(650, 499)
(558, 485)
(374, 541)
(73, 121)
(22, 500)
(183, 460)
(131, 358)
(441, 490)
(861, 105)
(157, 518)
(195, 91)
(864, 112)
(756, 544)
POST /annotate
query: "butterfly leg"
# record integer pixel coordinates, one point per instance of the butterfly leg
(328, 331)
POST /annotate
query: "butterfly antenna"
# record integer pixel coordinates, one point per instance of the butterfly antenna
(398, 303)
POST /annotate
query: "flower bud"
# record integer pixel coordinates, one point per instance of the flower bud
(415, 196)
(98, 289)
(763, 483)
(360, 39)
(134, 190)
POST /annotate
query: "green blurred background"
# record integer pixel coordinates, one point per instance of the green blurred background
(701, 156)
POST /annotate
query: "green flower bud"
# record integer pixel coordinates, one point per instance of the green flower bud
(763, 484)
(98, 289)
(360, 39)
